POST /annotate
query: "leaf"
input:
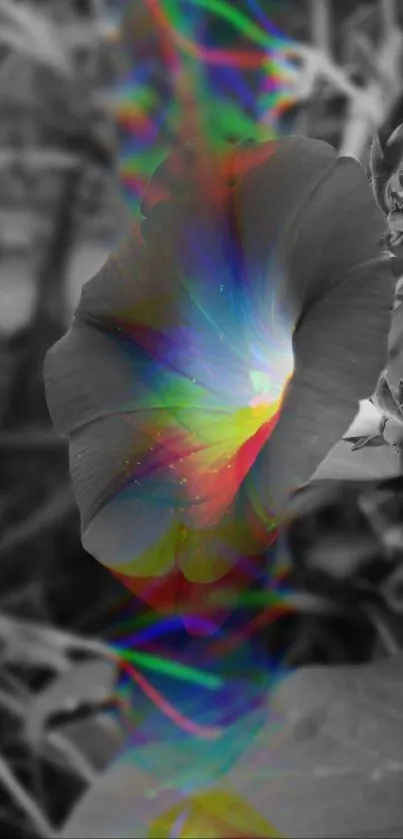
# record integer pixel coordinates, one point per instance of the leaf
(329, 764)
(336, 767)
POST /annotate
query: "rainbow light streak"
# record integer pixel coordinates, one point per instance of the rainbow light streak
(184, 87)
(210, 361)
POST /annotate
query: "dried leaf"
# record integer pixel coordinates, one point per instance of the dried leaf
(85, 683)
(363, 442)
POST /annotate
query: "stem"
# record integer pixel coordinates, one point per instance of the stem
(389, 13)
(320, 19)
(50, 300)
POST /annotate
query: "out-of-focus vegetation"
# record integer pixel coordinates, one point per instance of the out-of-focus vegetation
(60, 212)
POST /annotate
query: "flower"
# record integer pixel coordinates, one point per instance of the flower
(216, 359)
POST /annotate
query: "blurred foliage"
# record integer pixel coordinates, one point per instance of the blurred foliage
(60, 211)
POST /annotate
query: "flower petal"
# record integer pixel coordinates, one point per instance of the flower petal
(335, 254)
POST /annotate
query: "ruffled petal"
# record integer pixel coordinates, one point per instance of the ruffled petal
(335, 254)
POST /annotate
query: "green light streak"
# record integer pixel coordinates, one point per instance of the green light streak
(170, 668)
(238, 20)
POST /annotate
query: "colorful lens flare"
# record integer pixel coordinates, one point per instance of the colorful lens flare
(200, 68)
(209, 356)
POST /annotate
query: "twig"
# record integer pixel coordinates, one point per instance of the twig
(329, 70)
(71, 754)
(62, 643)
(388, 642)
(38, 159)
(11, 704)
(67, 643)
(20, 796)
(359, 126)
